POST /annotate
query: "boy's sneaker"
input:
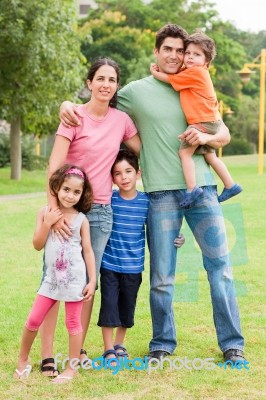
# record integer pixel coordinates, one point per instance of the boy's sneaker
(228, 193)
(191, 196)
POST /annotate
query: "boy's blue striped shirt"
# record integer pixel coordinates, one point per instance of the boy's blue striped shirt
(126, 247)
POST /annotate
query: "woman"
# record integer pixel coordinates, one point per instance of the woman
(93, 146)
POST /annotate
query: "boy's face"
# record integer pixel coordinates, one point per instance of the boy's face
(125, 177)
(194, 56)
(169, 57)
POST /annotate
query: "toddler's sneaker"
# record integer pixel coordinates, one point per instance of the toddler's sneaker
(228, 193)
(191, 196)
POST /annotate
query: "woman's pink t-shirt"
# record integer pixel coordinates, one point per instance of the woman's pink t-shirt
(94, 146)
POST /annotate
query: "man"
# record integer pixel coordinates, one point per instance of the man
(155, 108)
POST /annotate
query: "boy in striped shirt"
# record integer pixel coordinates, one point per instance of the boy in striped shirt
(123, 258)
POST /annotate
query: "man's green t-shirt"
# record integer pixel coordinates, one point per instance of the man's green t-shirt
(155, 108)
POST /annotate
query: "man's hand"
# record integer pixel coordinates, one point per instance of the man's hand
(195, 137)
(69, 114)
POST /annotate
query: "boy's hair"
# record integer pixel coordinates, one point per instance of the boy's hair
(169, 30)
(128, 156)
(60, 175)
(206, 44)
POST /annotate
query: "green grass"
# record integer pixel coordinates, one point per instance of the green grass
(30, 182)
(20, 276)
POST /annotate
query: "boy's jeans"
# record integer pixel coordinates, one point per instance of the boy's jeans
(207, 224)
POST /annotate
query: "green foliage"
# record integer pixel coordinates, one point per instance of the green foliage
(238, 146)
(40, 61)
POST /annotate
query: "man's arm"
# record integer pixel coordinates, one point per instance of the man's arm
(68, 114)
(197, 138)
(134, 144)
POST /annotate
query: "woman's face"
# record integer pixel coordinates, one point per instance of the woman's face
(104, 84)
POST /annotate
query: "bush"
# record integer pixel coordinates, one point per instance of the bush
(30, 161)
(238, 146)
(4, 150)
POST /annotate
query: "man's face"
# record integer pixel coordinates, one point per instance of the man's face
(170, 56)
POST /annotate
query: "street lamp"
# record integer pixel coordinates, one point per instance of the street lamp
(245, 75)
(223, 110)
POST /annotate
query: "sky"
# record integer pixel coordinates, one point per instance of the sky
(247, 15)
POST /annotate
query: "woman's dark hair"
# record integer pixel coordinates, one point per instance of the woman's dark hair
(128, 156)
(60, 175)
(99, 62)
(169, 30)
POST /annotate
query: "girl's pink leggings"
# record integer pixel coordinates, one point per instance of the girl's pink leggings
(43, 304)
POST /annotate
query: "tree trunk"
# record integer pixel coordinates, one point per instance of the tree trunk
(15, 149)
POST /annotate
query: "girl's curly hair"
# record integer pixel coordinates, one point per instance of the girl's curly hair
(60, 175)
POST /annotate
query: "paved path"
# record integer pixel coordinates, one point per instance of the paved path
(9, 197)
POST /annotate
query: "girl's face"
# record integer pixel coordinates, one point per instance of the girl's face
(70, 192)
(104, 84)
(194, 56)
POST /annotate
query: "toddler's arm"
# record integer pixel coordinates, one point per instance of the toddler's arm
(157, 74)
(46, 217)
(89, 259)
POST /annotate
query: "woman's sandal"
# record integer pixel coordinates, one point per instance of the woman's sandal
(122, 353)
(23, 374)
(62, 380)
(49, 368)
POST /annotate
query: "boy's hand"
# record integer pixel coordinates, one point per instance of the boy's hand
(52, 216)
(88, 291)
(180, 240)
(154, 67)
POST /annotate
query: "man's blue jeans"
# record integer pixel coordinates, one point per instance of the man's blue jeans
(206, 221)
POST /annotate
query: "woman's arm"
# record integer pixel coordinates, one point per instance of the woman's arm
(196, 138)
(89, 259)
(134, 144)
(57, 160)
(46, 217)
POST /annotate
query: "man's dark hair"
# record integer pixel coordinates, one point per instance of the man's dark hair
(169, 30)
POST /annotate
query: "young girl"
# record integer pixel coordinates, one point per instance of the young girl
(66, 262)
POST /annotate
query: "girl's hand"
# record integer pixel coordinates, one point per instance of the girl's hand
(180, 240)
(88, 291)
(51, 216)
(61, 229)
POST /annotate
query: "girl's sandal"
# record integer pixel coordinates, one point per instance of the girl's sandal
(23, 374)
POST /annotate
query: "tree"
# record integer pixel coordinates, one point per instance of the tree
(40, 65)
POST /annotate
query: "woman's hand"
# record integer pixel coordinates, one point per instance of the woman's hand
(69, 114)
(88, 291)
(62, 229)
